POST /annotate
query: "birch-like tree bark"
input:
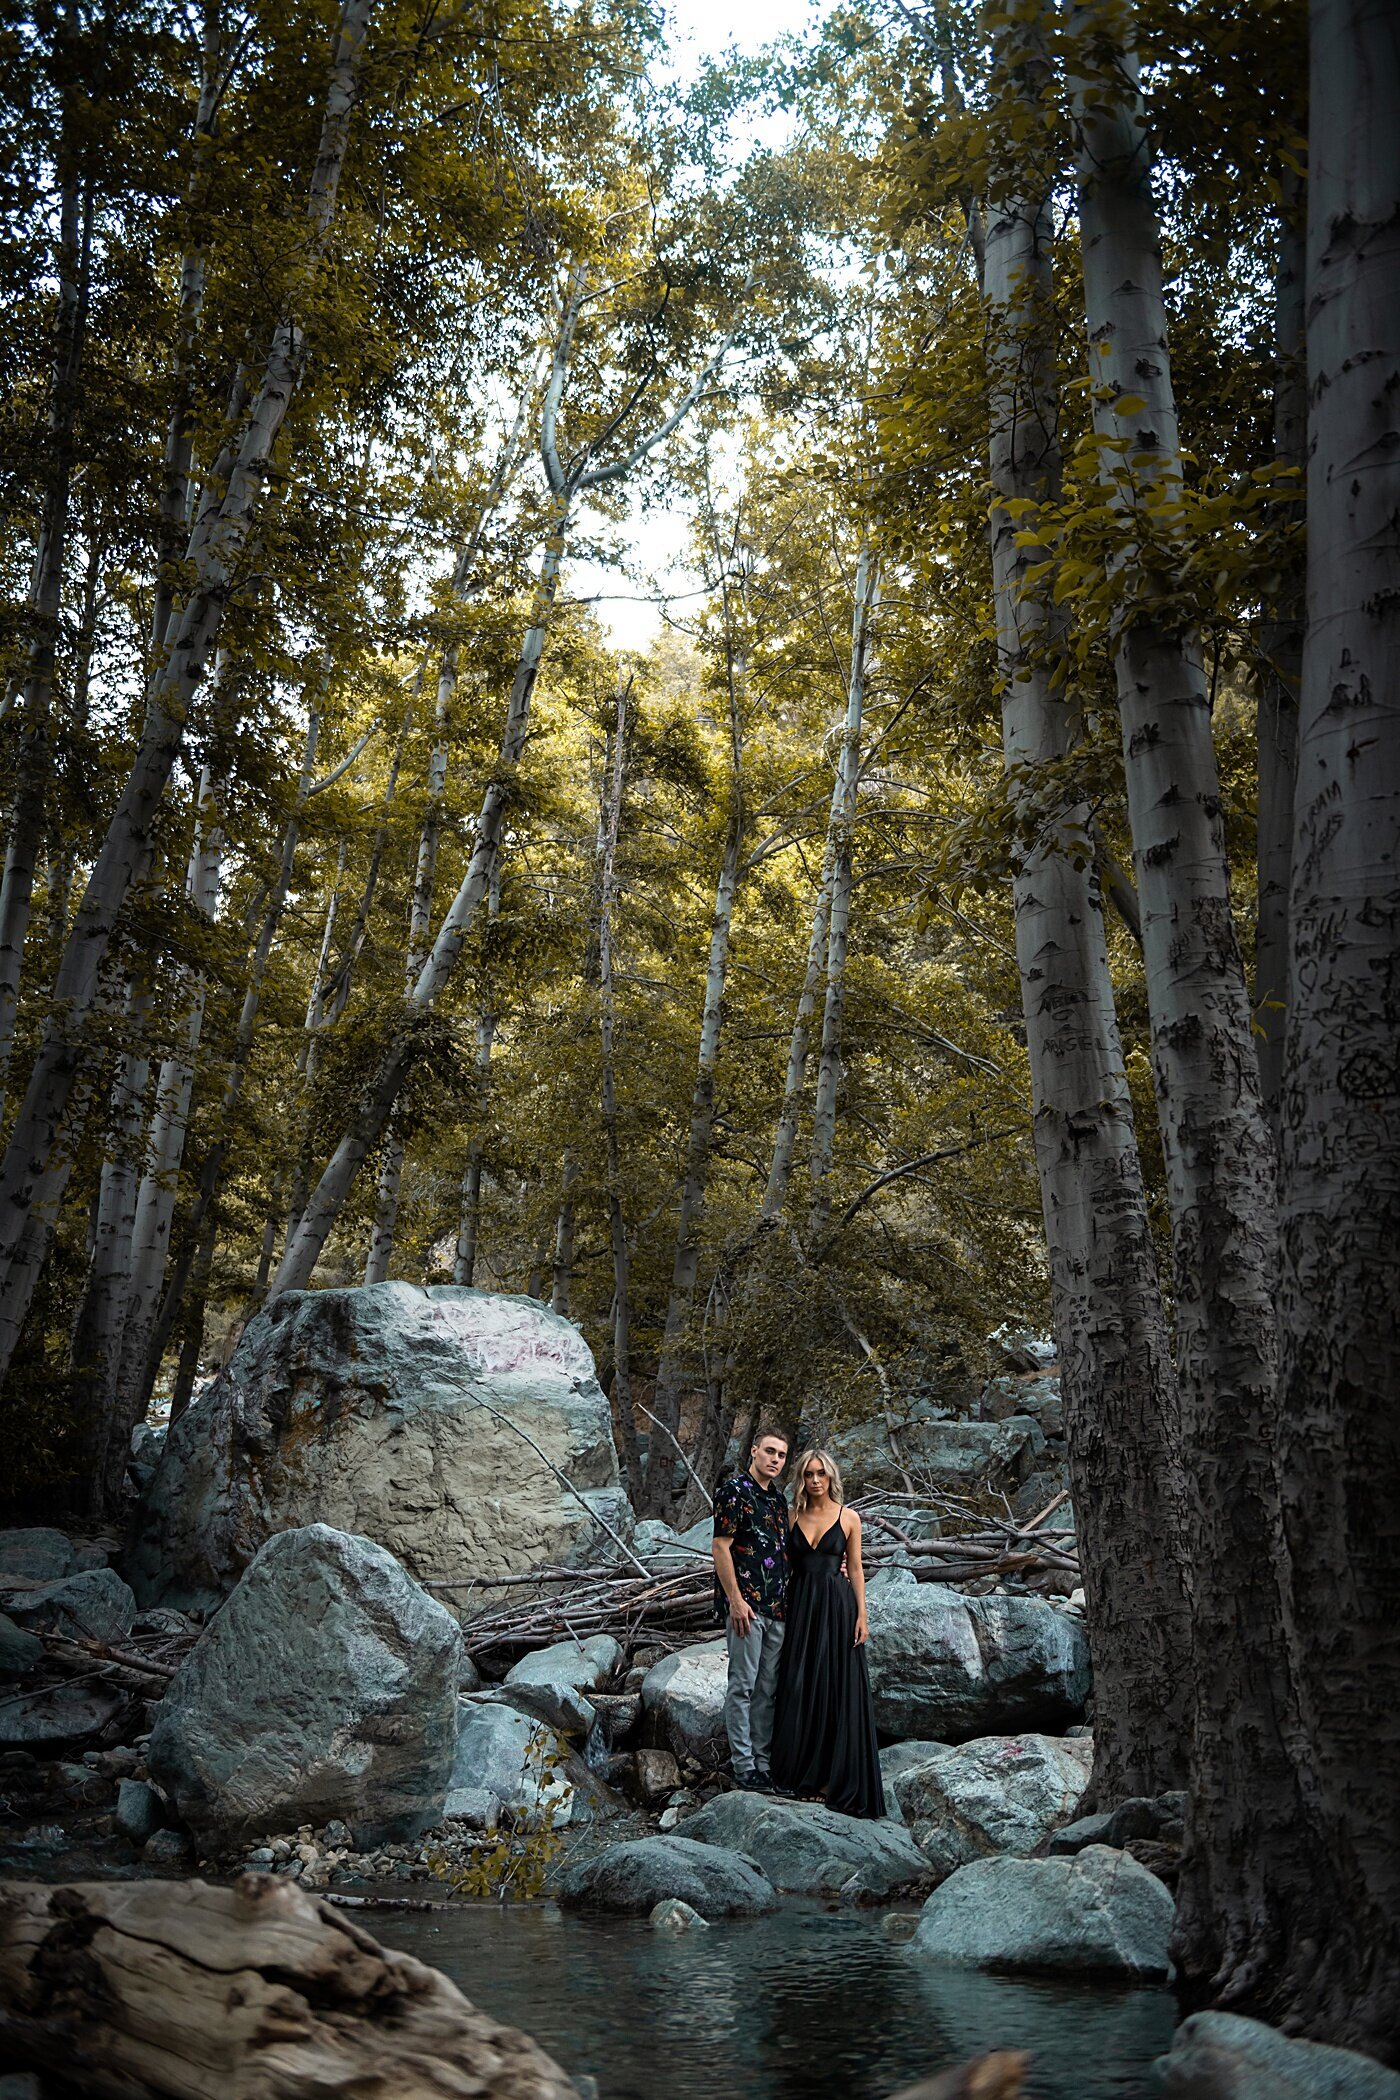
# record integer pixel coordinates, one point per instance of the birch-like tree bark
(165, 1140)
(1282, 642)
(838, 926)
(213, 557)
(1117, 1375)
(1339, 1306)
(1216, 1143)
(795, 1075)
(25, 831)
(624, 1414)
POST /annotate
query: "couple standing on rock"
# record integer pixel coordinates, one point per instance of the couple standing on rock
(797, 1708)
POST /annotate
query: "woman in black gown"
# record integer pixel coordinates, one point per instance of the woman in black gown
(824, 1732)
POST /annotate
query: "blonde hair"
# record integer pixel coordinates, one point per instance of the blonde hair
(833, 1478)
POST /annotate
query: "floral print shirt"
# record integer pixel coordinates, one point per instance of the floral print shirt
(755, 1518)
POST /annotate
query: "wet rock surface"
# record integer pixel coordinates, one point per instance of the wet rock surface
(1220, 2056)
(633, 1878)
(806, 1849)
(1099, 1914)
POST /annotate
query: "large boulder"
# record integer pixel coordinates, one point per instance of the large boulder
(683, 1702)
(897, 1758)
(635, 1877)
(659, 1546)
(59, 1717)
(95, 1605)
(948, 1667)
(326, 1687)
(1000, 1794)
(20, 1652)
(808, 1850)
(1220, 2056)
(1100, 1914)
(966, 1458)
(403, 1414)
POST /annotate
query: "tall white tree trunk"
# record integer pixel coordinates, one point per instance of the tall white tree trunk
(469, 1214)
(1119, 1382)
(1339, 1301)
(25, 831)
(842, 838)
(165, 1139)
(213, 556)
(624, 1412)
(97, 1335)
(795, 1077)
(1216, 1144)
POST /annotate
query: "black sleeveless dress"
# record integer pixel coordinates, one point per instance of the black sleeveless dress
(824, 1731)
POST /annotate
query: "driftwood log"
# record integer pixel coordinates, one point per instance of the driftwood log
(256, 1992)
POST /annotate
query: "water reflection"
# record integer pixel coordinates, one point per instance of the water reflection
(806, 2005)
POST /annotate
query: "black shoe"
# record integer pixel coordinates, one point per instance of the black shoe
(761, 1783)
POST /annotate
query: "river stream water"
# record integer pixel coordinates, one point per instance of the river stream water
(805, 2005)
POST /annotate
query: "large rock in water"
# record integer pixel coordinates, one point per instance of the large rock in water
(808, 1850)
(1220, 2056)
(947, 1667)
(635, 1877)
(1001, 1794)
(1100, 1914)
(326, 1687)
(395, 1412)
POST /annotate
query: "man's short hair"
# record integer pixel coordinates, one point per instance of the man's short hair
(771, 1429)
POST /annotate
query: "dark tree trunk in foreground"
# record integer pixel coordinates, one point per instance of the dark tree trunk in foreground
(1119, 1381)
(1282, 640)
(1339, 1300)
(1218, 1151)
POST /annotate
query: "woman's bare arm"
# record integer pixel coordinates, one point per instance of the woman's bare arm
(850, 1524)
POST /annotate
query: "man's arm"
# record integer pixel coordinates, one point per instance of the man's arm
(741, 1614)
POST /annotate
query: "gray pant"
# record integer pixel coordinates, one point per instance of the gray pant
(748, 1698)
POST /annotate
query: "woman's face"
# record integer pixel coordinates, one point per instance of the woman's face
(814, 1479)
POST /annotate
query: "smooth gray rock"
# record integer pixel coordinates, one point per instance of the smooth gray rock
(674, 1916)
(526, 1764)
(367, 1409)
(20, 2085)
(554, 1683)
(587, 1665)
(20, 1652)
(140, 1812)
(62, 1716)
(38, 1553)
(95, 1604)
(808, 1850)
(1100, 1914)
(1219, 2056)
(327, 1686)
(997, 1794)
(635, 1877)
(948, 1667)
(559, 1705)
(961, 1456)
(683, 1700)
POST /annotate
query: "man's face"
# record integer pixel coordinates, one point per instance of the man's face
(768, 1458)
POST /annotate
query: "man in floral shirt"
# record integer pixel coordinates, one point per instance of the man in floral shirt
(751, 1569)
